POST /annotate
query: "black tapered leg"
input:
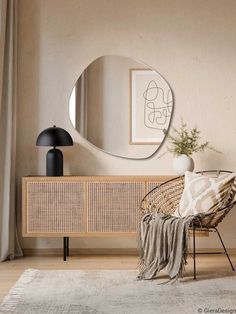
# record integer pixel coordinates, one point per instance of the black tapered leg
(64, 248)
(194, 255)
(67, 246)
(221, 240)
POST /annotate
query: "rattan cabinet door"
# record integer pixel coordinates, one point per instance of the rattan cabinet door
(55, 207)
(113, 207)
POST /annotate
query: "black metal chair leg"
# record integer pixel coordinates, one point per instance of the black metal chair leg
(64, 248)
(194, 255)
(67, 246)
(221, 240)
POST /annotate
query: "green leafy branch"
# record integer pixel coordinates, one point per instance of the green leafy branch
(184, 141)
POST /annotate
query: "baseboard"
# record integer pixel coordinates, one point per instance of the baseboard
(81, 251)
(210, 250)
(199, 233)
(103, 251)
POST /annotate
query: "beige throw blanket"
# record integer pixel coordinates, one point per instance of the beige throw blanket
(164, 243)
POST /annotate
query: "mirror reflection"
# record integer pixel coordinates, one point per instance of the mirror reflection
(121, 106)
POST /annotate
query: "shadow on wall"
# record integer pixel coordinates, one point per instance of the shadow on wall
(212, 161)
(76, 159)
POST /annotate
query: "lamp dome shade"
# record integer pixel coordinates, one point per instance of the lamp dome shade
(54, 136)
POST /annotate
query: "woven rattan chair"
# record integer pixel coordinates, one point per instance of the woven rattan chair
(165, 199)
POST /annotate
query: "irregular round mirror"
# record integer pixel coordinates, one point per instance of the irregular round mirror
(122, 107)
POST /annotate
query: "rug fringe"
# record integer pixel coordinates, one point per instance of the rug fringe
(10, 302)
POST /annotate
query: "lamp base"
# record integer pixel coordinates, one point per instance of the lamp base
(54, 163)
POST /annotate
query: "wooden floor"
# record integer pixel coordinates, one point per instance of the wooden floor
(11, 270)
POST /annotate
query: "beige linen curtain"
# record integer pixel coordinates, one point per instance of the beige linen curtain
(8, 57)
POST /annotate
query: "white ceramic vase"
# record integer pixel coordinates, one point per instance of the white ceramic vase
(183, 163)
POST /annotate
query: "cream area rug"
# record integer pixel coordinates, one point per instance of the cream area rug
(116, 291)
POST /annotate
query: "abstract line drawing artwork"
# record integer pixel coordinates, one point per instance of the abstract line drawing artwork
(151, 106)
(157, 109)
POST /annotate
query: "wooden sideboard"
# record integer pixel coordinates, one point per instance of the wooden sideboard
(73, 206)
(91, 206)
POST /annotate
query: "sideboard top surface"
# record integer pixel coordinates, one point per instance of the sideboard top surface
(113, 178)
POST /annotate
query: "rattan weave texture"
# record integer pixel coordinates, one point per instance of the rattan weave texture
(166, 196)
(55, 207)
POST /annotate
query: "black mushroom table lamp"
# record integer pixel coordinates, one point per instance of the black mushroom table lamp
(54, 136)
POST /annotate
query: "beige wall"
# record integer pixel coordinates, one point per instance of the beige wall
(191, 42)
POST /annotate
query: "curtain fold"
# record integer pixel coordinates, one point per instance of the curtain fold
(9, 243)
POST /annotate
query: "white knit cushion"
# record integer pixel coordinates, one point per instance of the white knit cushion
(203, 193)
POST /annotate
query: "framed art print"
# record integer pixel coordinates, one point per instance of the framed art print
(151, 103)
